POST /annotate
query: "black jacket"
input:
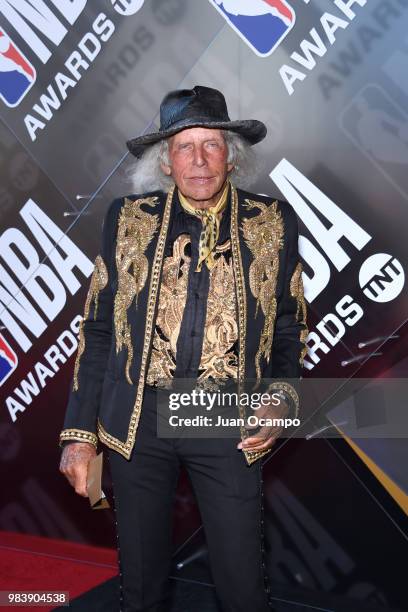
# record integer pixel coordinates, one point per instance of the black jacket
(116, 333)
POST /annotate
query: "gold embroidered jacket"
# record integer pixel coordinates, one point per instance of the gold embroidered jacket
(121, 308)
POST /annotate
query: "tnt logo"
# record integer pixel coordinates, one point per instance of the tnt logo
(17, 75)
(381, 277)
(262, 24)
(8, 360)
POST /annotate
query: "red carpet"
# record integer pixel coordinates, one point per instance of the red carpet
(32, 563)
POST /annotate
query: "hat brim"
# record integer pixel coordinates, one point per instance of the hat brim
(251, 129)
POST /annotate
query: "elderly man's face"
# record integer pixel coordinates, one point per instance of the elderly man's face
(198, 164)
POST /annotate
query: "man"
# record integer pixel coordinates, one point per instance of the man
(195, 279)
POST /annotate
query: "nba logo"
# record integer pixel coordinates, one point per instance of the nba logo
(262, 24)
(17, 75)
(8, 360)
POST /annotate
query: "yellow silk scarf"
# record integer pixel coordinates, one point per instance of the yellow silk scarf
(210, 227)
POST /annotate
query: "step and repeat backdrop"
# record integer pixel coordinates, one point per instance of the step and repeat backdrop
(328, 77)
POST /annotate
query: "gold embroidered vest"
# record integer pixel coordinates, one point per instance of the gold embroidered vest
(218, 358)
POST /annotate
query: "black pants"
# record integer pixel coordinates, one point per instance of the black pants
(229, 495)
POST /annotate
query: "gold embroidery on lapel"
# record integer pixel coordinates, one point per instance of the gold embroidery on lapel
(135, 232)
(99, 280)
(240, 286)
(263, 235)
(250, 456)
(125, 448)
(296, 291)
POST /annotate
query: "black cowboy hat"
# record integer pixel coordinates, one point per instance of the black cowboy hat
(197, 107)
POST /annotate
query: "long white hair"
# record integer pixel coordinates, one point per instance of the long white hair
(144, 174)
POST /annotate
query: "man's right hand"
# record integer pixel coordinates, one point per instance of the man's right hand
(74, 463)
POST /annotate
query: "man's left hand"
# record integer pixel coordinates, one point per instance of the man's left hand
(267, 435)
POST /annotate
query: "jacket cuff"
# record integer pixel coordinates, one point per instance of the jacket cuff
(252, 456)
(78, 435)
(288, 394)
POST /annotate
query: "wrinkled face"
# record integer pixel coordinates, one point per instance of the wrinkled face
(198, 164)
